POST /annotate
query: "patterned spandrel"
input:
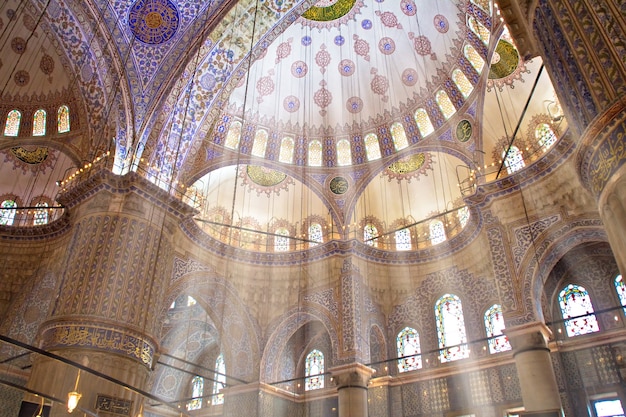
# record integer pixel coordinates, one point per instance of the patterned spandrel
(344, 155)
(315, 234)
(451, 328)
(621, 290)
(514, 160)
(494, 325)
(577, 311)
(315, 153)
(63, 119)
(286, 150)
(408, 344)
(313, 370)
(39, 123)
(197, 391)
(474, 58)
(545, 136)
(370, 232)
(233, 136)
(260, 143)
(461, 81)
(372, 147)
(424, 124)
(403, 239)
(219, 380)
(7, 212)
(445, 104)
(41, 214)
(437, 232)
(12, 125)
(481, 31)
(281, 241)
(399, 136)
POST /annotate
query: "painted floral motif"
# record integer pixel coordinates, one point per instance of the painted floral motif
(409, 77)
(354, 104)
(379, 84)
(346, 67)
(322, 58)
(291, 104)
(323, 98)
(387, 46)
(441, 23)
(283, 50)
(389, 19)
(422, 45)
(361, 47)
(408, 7)
(265, 86)
(299, 69)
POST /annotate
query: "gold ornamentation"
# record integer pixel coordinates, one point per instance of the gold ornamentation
(113, 405)
(464, 130)
(408, 165)
(332, 12)
(33, 157)
(339, 185)
(265, 177)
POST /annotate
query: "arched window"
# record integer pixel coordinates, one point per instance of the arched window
(219, 379)
(577, 311)
(408, 344)
(233, 136)
(344, 155)
(481, 31)
(313, 370)
(483, 4)
(446, 106)
(451, 328)
(474, 58)
(41, 214)
(7, 212)
(370, 232)
(39, 123)
(424, 124)
(191, 301)
(545, 136)
(461, 81)
(197, 391)
(494, 324)
(315, 234)
(372, 148)
(437, 232)
(315, 153)
(12, 125)
(260, 143)
(281, 241)
(399, 136)
(463, 215)
(514, 160)
(403, 239)
(63, 119)
(621, 291)
(286, 150)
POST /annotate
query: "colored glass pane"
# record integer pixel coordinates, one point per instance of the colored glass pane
(286, 150)
(483, 4)
(344, 155)
(281, 242)
(399, 136)
(424, 124)
(315, 153)
(39, 123)
(41, 214)
(514, 160)
(372, 148)
(191, 301)
(219, 379)
(478, 28)
(315, 234)
(461, 81)
(494, 325)
(621, 290)
(463, 215)
(577, 311)
(445, 105)
(545, 135)
(233, 135)
(451, 328)
(403, 239)
(313, 370)
(7, 212)
(12, 125)
(437, 232)
(408, 344)
(370, 232)
(260, 143)
(63, 119)
(197, 390)
(474, 58)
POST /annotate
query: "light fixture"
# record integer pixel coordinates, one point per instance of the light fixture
(74, 396)
(140, 413)
(40, 412)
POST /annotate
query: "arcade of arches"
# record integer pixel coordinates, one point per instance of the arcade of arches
(312, 208)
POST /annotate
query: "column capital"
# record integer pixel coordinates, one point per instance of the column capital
(529, 336)
(352, 375)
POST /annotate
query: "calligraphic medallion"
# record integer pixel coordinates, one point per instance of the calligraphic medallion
(464, 130)
(339, 185)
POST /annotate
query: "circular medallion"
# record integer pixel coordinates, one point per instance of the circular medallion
(504, 61)
(325, 11)
(265, 177)
(46, 65)
(291, 104)
(354, 104)
(464, 130)
(18, 45)
(339, 185)
(21, 78)
(153, 22)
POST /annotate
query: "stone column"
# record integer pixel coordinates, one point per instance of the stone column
(352, 381)
(540, 392)
(116, 270)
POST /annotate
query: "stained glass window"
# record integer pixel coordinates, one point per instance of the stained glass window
(344, 155)
(260, 143)
(514, 160)
(219, 380)
(483, 4)
(286, 150)
(474, 58)
(461, 81)
(451, 328)
(63, 119)
(372, 148)
(233, 136)
(463, 215)
(477, 27)
(545, 135)
(315, 234)
(621, 291)
(313, 370)
(494, 324)
(403, 239)
(437, 232)
(424, 124)
(197, 391)
(12, 126)
(399, 136)
(191, 301)
(446, 106)
(281, 242)
(315, 153)
(7, 212)
(41, 214)
(577, 311)
(408, 344)
(370, 232)
(39, 123)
